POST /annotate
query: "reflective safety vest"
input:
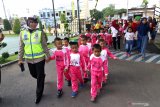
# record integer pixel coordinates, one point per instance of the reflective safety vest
(33, 47)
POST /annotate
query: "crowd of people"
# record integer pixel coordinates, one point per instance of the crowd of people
(135, 33)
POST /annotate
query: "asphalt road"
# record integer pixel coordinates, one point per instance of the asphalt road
(130, 84)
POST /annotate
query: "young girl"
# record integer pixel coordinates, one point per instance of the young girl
(89, 43)
(66, 43)
(94, 37)
(105, 53)
(97, 64)
(129, 37)
(76, 62)
(85, 50)
(98, 38)
(88, 34)
(60, 55)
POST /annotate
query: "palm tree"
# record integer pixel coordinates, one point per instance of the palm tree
(145, 5)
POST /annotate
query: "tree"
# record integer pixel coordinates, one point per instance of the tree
(63, 18)
(16, 26)
(120, 11)
(145, 5)
(95, 14)
(109, 11)
(7, 25)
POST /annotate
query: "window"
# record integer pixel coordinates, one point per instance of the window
(41, 15)
(56, 14)
(64, 12)
(68, 14)
(44, 15)
(48, 14)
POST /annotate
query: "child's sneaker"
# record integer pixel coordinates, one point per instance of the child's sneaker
(59, 93)
(74, 94)
(69, 83)
(93, 99)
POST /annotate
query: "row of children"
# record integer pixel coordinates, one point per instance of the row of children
(129, 36)
(79, 63)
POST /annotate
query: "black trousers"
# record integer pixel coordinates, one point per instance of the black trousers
(37, 72)
(116, 41)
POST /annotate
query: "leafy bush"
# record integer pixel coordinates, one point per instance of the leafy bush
(16, 26)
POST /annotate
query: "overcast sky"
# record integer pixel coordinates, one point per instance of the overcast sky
(20, 7)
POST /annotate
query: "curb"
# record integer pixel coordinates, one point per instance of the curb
(9, 63)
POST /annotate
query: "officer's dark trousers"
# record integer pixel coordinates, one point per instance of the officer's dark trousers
(37, 72)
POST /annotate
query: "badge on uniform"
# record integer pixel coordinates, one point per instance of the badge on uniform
(36, 36)
(25, 37)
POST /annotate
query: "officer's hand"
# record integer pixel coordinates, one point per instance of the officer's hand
(20, 62)
(47, 60)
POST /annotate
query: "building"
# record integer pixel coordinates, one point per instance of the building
(47, 17)
(85, 12)
(133, 12)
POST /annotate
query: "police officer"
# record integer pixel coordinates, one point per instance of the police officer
(33, 47)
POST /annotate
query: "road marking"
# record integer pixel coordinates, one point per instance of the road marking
(123, 56)
(152, 58)
(118, 53)
(132, 57)
(158, 62)
(140, 58)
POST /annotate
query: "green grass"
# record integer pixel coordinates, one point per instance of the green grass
(11, 58)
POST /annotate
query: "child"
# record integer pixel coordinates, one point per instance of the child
(129, 37)
(76, 62)
(105, 53)
(94, 37)
(102, 34)
(98, 38)
(89, 43)
(66, 43)
(60, 55)
(85, 50)
(88, 34)
(97, 64)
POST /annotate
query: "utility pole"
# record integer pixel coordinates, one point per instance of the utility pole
(4, 9)
(79, 21)
(55, 23)
(127, 9)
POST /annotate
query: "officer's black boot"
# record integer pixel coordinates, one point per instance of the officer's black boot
(40, 88)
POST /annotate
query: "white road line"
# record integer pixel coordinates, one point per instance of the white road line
(152, 58)
(140, 58)
(133, 56)
(118, 53)
(158, 62)
(121, 57)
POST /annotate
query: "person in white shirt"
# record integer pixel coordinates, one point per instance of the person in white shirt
(129, 37)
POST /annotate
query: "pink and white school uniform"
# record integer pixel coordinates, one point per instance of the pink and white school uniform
(94, 38)
(106, 53)
(62, 63)
(108, 39)
(85, 51)
(88, 35)
(102, 35)
(76, 62)
(97, 65)
(68, 48)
